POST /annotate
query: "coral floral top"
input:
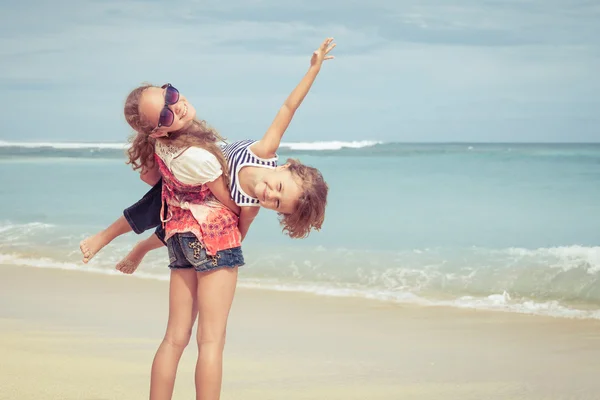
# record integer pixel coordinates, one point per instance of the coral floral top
(192, 207)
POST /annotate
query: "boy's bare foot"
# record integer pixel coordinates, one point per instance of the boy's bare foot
(129, 264)
(92, 245)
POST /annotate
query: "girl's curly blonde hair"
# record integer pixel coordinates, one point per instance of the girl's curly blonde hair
(141, 151)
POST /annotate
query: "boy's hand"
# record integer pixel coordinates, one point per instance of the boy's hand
(321, 54)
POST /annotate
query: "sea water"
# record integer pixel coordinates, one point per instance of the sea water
(511, 227)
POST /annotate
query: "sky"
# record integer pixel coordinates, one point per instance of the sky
(405, 71)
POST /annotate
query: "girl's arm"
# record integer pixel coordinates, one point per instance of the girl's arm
(268, 145)
(247, 215)
(151, 176)
(221, 192)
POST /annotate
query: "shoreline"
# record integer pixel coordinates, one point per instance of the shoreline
(490, 303)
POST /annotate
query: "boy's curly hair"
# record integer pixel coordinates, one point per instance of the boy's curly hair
(310, 210)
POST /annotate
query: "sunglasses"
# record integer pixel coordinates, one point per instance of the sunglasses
(166, 115)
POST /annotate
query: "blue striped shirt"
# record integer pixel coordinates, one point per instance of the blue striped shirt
(239, 155)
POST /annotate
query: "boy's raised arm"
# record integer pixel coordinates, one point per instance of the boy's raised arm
(268, 145)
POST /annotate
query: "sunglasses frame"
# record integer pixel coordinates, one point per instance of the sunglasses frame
(166, 107)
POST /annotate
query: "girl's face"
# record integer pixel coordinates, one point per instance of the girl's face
(166, 109)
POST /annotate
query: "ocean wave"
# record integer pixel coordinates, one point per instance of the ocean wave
(64, 145)
(333, 145)
(556, 281)
(10, 231)
(321, 145)
(568, 274)
(47, 262)
(565, 258)
(23, 151)
(494, 302)
(358, 148)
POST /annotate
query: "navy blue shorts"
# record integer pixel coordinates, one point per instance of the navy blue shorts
(185, 251)
(145, 214)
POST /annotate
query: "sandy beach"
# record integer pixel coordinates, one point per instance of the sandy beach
(78, 335)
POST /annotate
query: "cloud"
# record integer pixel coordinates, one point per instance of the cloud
(423, 63)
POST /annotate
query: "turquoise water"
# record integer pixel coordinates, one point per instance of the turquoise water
(513, 227)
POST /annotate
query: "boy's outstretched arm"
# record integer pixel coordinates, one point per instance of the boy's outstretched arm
(268, 145)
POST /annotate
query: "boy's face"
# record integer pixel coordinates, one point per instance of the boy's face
(279, 190)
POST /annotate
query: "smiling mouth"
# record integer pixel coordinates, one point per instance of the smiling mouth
(184, 112)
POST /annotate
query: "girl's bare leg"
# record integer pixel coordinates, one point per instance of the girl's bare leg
(182, 314)
(93, 244)
(215, 296)
(129, 264)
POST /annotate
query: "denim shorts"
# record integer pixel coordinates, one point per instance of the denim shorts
(186, 251)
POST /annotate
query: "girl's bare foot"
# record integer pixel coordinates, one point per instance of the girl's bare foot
(92, 245)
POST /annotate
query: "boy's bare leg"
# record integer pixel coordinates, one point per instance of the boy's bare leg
(129, 264)
(93, 244)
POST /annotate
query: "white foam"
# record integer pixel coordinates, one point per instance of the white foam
(495, 302)
(8, 227)
(498, 302)
(44, 262)
(562, 257)
(331, 145)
